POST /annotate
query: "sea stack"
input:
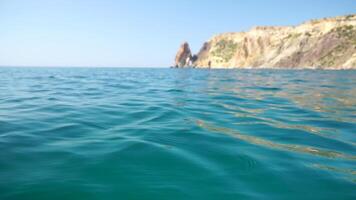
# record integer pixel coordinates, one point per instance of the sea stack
(184, 56)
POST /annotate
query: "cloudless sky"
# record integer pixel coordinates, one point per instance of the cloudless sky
(136, 33)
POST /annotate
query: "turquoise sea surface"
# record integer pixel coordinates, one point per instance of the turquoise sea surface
(116, 133)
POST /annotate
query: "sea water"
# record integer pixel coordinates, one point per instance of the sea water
(112, 133)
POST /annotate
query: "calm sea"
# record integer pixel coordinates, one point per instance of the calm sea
(109, 133)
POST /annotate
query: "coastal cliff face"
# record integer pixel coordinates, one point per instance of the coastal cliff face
(318, 44)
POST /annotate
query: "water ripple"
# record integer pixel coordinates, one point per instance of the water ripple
(106, 133)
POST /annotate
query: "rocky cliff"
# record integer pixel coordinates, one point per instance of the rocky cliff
(184, 56)
(328, 43)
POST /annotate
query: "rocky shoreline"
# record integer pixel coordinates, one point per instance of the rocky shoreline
(328, 43)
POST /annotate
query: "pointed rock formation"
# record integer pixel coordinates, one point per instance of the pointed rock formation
(184, 56)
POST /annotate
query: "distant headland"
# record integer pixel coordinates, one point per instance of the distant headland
(328, 43)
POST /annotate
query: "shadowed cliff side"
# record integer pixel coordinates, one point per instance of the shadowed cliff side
(328, 43)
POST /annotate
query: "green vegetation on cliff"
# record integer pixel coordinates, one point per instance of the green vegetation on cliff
(224, 50)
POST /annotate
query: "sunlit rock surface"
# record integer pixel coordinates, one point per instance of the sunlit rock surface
(328, 43)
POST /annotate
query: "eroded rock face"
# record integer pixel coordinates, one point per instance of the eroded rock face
(184, 56)
(318, 44)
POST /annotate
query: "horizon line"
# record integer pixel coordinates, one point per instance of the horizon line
(79, 66)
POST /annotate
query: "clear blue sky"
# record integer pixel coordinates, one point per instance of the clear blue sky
(137, 33)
